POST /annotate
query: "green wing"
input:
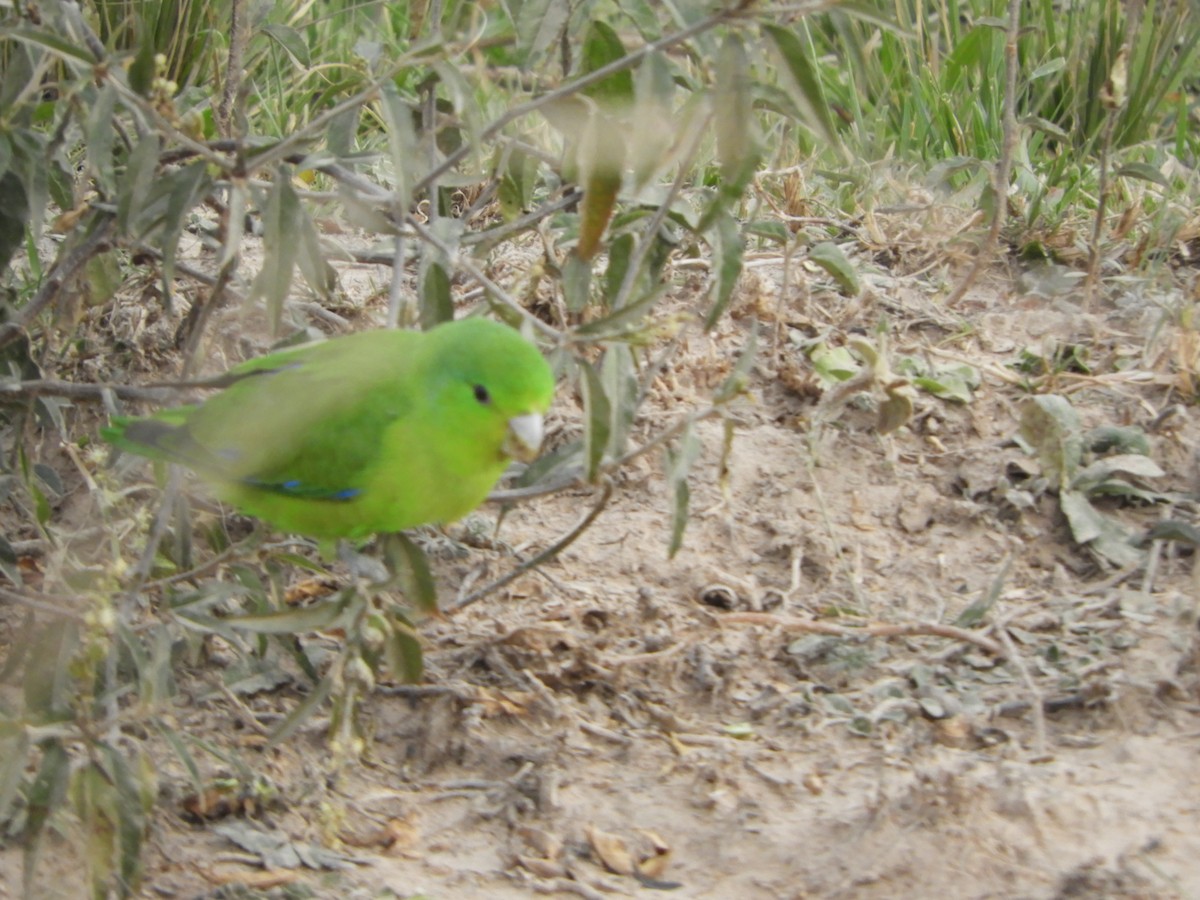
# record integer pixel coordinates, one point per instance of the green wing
(306, 423)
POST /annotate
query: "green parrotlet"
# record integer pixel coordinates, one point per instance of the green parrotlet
(371, 432)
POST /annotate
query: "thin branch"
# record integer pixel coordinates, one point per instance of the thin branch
(13, 392)
(871, 629)
(468, 265)
(65, 268)
(234, 69)
(545, 556)
(1040, 753)
(573, 477)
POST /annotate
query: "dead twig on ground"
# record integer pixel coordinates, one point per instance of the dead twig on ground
(869, 629)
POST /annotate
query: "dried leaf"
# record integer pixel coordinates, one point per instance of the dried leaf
(612, 850)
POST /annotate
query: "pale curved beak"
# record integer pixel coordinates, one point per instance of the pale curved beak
(524, 437)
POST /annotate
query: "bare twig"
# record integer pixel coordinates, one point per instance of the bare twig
(1040, 753)
(233, 69)
(468, 265)
(19, 391)
(65, 268)
(870, 629)
(545, 556)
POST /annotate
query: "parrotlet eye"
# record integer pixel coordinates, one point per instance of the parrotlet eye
(482, 395)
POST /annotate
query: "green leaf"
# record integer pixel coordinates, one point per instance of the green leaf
(769, 230)
(518, 177)
(410, 564)
(803, 83)
(1124, 439)
(44, 797)
(98, 129)
(576, 283)
(833, 364)
(601, 46)
(1143, 172)
(679, 464)
(733, 108)
(437, 301)
(139, 177)
(649, 144)
(728, 248)
(1050, 67)
(1102, 534)
(1050, 425)
(291, 40)
(70, 51)
(829, 256)
(403, 653)
(736, 381)
(977, 611)
(620, 252)
(896, 410)
(600, 157)
(10, 566)
(402, 143)
(597, 420)
(316, 617)
(318, 273)
(1122, 464)
(14, 213)
(281, 222)
(621, 388)
(1163, 530)
(188, 184)
(875, 15)
(142, 68)
(302, 713)
(175, 742)
(1086, 522)
(539, 25)
(949, 384)
(14, 755)
(133, 797)
(49, 688)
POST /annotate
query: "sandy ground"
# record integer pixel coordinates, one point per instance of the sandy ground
(621, 724)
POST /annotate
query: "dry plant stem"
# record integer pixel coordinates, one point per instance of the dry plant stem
(1040, 754)
(875, 629)
(396, 292)
(574, 479)
(193, 326)
(546, 555)
(65, 269)
(1003, 168)
(233, 551)
(157, 530)
(827, 519)
(234, 69)
(1092, 281)
(494, 290)
(26, 390)
(516, 226)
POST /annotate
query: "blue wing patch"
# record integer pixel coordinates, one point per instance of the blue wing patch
(297, 488)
